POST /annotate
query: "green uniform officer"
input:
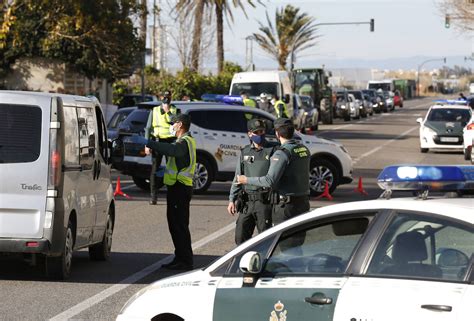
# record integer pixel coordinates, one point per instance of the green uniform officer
(254, 162)
(281, 109)
(158, 129)
(247, 101)
(288, 175)
(178, 179)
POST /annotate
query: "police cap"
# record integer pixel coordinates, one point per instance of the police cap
(182, 118)
(256, 124)
(166, 93)
(280, 122)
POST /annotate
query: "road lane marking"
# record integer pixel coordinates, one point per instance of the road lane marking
(356, 160)
(99, 297)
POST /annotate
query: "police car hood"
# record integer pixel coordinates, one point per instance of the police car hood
(310, 139)
(443, 127)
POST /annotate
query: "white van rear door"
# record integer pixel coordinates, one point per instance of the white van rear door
(24, 146)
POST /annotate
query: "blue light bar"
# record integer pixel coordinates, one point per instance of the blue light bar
(226, 99)
(450, 102)
(427, 178)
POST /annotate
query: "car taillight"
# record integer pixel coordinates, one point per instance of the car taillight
(470, 126)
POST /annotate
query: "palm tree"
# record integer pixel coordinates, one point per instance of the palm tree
(292, 33)
(199, 6)
(222, 7)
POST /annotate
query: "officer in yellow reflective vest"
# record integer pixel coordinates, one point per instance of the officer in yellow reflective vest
(281, 109)
(178, 179)
(247, 101)
(158, 129)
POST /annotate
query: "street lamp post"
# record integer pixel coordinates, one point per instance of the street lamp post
(418, 73)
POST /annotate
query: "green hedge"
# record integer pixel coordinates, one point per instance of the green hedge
(185, 82)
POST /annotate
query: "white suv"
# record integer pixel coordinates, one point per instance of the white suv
(221, 131)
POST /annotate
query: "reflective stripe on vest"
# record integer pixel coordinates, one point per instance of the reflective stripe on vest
(185, 175)
(161, 122)
(249, 102)
(277, 109)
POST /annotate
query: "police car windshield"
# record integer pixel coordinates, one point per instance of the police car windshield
(449, 115)
(255, 88)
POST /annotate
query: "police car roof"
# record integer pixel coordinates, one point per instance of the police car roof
(450, 106)
(188, 105)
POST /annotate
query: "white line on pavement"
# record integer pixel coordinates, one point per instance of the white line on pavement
(86, 304)
(383, 145)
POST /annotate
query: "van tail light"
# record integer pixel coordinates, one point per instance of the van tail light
(470, 126)
(55, 159)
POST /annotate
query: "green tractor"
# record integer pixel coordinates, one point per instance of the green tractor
(313, 82)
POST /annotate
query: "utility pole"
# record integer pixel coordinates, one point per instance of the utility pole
(418, 73)
(143, 18)
(249, 53)
(153, 37)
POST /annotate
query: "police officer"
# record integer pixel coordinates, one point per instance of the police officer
(158, 129)
(288, 175)
(254, 162)
(178, 178)
(281, 109)
(246, 100)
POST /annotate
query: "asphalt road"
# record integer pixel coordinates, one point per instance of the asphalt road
(98, 290)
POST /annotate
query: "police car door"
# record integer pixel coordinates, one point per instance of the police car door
(302, 274)
(224, 133)
(418, 271)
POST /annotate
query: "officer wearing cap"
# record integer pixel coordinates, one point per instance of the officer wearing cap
(254, 162)
(158, 129)
(178, 178)
(288, 174)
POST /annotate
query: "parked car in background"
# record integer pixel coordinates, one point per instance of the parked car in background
(365, 105)
(311, 114)
(382, 102)
(372, 98)
(117, 118)
(342, 104)
(354, 107)
(130, 100)
(388, 95)
(398, 99)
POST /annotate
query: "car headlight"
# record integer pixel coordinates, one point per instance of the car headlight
(305, 113)
(134, 298)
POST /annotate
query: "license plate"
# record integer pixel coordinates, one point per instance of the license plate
(449, 139)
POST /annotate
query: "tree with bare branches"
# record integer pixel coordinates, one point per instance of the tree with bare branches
(461, 13)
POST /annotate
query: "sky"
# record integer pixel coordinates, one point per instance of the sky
(404, 30)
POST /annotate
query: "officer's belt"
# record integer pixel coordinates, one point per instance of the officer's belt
(292, 199)
(261, 195)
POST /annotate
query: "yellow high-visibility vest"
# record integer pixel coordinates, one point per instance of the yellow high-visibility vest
(161, 121)
(277, 109)
(249, 102)
(185, 175)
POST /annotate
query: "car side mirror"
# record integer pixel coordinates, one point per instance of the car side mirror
(419, 120)
(117, 152)
(287, 98)
(251, 262)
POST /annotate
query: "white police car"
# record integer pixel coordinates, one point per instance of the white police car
(442, 128)
(220, 132)
(386, 259)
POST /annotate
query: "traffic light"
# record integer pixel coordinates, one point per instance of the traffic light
(372, 25)
(447, 21)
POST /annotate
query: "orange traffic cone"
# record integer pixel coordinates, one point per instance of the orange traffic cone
(326, 192)
(118, 189)
(360, 188)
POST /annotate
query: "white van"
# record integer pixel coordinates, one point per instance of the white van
(471, 88)
(275, 83)
(55, 194)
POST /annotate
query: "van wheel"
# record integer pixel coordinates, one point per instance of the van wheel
(424, 150)
(101, 251)
(142, 183)
(59, 268)
(203, 175)
(467, 153)
(322, 171)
